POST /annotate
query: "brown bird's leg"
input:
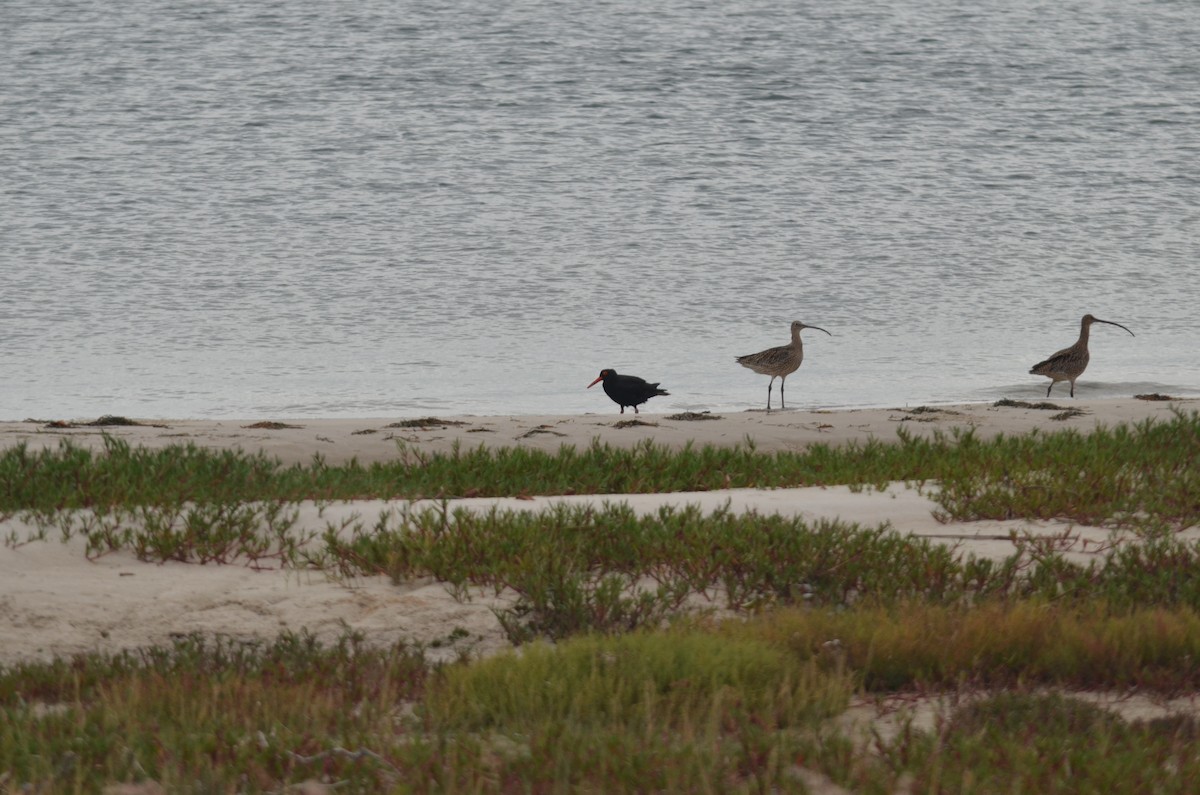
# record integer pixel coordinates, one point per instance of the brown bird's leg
(1072, 389)
(782, 381)
(1049, 388)
(770, 384)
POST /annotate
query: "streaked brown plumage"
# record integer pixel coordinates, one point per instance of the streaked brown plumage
(779, 362)
(1069, 363)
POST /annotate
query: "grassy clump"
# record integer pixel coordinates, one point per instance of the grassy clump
(663, 680)
(678, 711)
(995, 644)
(1131, 476)
(204, 714)
(72, 477)
(1022, 742)
(253, 534)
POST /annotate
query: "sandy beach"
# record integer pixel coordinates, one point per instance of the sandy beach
(53, 601)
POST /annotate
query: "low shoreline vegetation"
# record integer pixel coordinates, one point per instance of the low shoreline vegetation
(576, 569)
(736, 707)
(618, 683)
(1121, 475)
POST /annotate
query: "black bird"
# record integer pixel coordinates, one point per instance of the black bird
(626, 390)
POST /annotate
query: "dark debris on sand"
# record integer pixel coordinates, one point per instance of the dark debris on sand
(632, 423)
(106, 421)
(424, 422)
(1021, 404)
(540, 429)
(914, 414)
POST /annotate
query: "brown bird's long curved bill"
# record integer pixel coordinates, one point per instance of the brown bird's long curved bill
(1118, 325)
(818, 328)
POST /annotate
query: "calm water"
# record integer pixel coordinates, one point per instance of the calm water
(290, 209)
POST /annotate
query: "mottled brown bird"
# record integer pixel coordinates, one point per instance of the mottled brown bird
(779, 362)
(627, 390)
(1069, 363)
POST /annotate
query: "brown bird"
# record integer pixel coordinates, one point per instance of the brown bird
(779, 362)
(627, 390)
(1069, 363)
